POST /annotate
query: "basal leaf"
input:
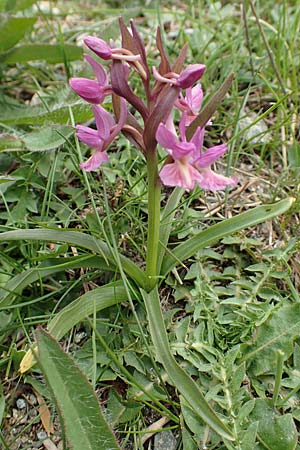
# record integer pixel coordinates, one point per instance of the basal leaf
(80, 412)
(12, 31)
(275, 431)
(226, 227)
(276, 333)
(45, 52)
(47, 138)
(186, 386)
(19, 115)
(79, 239)
(79, 309)
(16, 284)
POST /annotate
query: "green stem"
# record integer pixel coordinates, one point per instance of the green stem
(154, 192)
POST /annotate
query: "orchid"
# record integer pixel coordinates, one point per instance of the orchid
(190, 165)
(100, 139)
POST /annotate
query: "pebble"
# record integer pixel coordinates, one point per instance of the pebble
(21, 404)
(165, 440)
(42, 435)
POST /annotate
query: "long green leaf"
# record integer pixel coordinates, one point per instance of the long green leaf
(12, 30)
(51, 53)
(80, 412)
(19, 115)
(226, 227)
(81, 240)
(179, 378)
(15, 285)
(95, 300)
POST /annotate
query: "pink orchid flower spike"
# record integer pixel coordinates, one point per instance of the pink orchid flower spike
(102, 137)
(189, 164)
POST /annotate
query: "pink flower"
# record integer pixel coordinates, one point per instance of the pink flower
(191, 103)
(90, 90)
(189, 165)
(185, 79)
(105, 51)
(102, 137)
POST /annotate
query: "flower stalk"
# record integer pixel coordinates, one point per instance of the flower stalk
(154, 194)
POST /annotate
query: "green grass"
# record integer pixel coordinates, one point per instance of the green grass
(232, 311)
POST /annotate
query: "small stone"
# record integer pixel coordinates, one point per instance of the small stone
(42, 435)
(79, 336)
(165, 440)
(21, 404)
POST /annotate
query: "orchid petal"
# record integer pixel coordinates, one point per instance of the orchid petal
(88, 136)
(98, 69)
(214, 182)
(197, 140)
(104, 121)
(210, 156)
(121, 122)
(98, 46)
(89, 90)
(179, 174)
(194, 98)
(94, 161)
(190, 75)
(165, 137)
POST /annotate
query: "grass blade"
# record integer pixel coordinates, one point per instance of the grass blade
(226, 227)
(180, 379)
(83, 420)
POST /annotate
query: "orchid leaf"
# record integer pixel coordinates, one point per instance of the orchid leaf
(13, 29)
(15, 285)
(75, 399)
(81, 240)
(186, 386)
(216, 232)
(85, 305)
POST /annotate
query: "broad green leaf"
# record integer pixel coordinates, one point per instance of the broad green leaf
(45, 52)
(275, 431)
(12, 31)
(15, 285)
(37, 116)
(77, 404)
(276, 333)
(249, 437)
(226, 227)
(95, 300)
(81, 240)
(47, 138)
(186, 386)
